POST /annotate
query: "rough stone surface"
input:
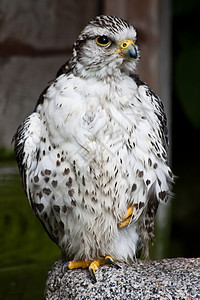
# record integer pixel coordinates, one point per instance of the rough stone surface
(177, 278)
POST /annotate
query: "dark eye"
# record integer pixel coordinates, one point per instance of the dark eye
(103, 41)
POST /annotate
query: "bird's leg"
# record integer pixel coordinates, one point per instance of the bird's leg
(92, 265)
(126, 217)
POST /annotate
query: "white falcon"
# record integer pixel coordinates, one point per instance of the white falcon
(93, 154)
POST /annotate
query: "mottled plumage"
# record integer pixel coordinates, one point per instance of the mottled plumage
(95, 144)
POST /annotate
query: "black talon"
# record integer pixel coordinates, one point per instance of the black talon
(92, 274)
(110, 261)
(64, 266)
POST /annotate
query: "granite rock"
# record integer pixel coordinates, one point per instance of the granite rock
(177, 278)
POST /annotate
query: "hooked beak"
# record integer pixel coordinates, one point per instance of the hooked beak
(127, 49)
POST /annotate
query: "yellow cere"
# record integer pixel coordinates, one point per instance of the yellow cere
(123, 45)
(126, 43)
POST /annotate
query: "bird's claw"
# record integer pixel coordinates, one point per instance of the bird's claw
(65, 265)
(92, 274)
(91, 265)
(126, 217)
(111, 261)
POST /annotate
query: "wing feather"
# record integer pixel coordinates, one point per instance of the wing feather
(158, 110)
(160, 146)
(26, 148)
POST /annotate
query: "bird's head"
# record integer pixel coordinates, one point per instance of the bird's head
(106, 47)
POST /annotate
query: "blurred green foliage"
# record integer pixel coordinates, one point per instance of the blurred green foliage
(26, 252)
(20, 229)
(6, 155)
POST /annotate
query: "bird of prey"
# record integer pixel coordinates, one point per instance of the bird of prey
(93, 156)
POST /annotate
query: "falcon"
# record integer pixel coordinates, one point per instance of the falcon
(93, 156)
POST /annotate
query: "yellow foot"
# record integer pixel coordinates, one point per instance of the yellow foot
(92, 265)
(126, 217)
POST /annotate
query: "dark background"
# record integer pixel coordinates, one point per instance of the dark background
(185, 231)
